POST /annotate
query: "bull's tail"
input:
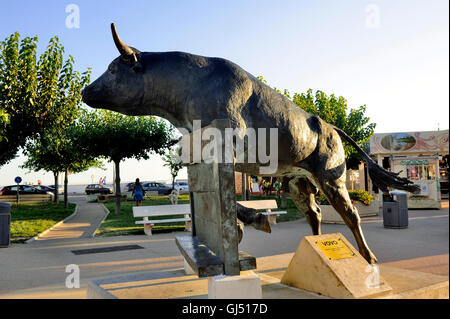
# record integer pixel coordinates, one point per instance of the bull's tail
(379, 176)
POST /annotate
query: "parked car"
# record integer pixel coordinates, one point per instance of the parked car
(60, 189)
(97, 189)
(23, 190)
(182, 187)
(129, 187)
(45, 188)
(159, 187)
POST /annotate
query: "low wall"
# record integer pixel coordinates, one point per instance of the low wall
(331, 216)
(423, 204)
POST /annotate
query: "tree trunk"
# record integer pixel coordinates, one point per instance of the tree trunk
(118, 193)
(243, 188)
(247, 186)
(283, 200)
(284, 191)
(173, 181)
(66, 180)
(56, 198)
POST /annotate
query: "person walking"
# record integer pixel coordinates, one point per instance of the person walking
(261, 186)
(138, 192)
(277, 187)
(266, 188)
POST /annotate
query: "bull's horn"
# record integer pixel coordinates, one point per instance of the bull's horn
(125, 51)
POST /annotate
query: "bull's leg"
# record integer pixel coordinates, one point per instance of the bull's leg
(337, 194)
(302, 193)
(250, 216)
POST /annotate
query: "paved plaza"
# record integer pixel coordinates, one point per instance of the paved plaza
(38, 269)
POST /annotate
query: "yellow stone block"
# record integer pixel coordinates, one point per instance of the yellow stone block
(329, 265)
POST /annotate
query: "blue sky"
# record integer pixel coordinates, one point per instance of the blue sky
(399, 69)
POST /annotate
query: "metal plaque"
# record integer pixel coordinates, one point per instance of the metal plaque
(335, 249)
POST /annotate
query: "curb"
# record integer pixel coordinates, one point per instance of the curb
(94, 291)
(104, 217)
(29, 241)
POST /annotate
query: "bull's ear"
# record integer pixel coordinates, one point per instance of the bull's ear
(137, 67)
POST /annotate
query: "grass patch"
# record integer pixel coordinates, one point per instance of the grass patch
(124, 223)
(28, 220)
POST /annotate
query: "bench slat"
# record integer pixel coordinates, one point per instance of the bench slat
(147, 214)
(156, 221)
(161, 210)
(260, 204)
(274, 213)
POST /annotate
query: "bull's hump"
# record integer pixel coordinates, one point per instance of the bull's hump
(179, 58)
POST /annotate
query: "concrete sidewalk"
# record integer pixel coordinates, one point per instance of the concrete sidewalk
(83, 225)
(38, 270)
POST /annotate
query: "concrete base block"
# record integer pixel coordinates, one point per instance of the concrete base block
(188, 269)
(273, 219)
(148, 229)
(188, 226)
(246, 286)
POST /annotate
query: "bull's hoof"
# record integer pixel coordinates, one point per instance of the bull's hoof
(371, 259)
(240, 228)
(262, 223)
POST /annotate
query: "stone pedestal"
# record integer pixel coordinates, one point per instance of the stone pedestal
(213, 247)
(245, 286)
(188, 269)
(331, 266)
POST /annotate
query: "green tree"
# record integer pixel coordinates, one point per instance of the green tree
(173, 161)
(334, 110)
(115, 137)
(58, 153)
(53, 149)
(29, 88)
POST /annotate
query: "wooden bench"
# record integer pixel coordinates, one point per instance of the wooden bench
(267, 205)
(162, 210)
(27, 198)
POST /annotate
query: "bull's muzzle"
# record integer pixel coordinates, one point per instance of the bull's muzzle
(89, 96)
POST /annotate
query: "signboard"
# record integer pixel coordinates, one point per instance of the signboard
(414, 162)
(424, 188)
(334, 249)
(412, 142)
(18, 179)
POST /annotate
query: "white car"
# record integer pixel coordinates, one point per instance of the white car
(182, 187)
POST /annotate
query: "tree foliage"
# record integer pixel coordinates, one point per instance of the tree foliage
(59, 154)
(54, 149)
(115, 137)
(172, 160)
(30, 91)
(56, 96)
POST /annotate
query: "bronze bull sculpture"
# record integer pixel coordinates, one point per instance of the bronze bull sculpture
(183, 87)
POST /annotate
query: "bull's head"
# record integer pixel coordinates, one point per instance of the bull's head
(120, 88)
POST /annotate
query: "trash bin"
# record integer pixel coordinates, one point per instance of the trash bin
(395, 210)
(5, 223)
